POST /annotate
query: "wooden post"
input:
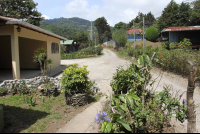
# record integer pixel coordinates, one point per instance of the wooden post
(191, 126)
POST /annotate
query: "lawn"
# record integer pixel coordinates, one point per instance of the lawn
(47, 116)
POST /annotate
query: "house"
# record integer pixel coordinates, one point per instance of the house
(177, 34)
(19, 40)
(70, 46)
(137, 34)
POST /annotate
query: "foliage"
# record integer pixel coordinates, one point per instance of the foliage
(75, 80)
(128, 80)
(185, 44)
(3, 91)
(21, 9)
(120, 25)
(129, 115)
(165, 44)
(151, 34)
(103, 29)
(99, 50)
(76, 55)
(49, 89)
(20, 88)
(30, 100)
(120, 36)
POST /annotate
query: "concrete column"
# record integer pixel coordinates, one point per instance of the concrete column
(15, 54)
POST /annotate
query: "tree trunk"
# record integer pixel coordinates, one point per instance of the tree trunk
(191, 126)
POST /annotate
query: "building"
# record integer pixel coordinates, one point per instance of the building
(70, 46)
(137, 34)
(19, 40)
(177, 34)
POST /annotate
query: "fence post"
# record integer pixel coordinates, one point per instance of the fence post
(191, 126)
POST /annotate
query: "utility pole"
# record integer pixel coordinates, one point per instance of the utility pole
(92, 33)
(95, 43)
(143, 36)
(134, 34)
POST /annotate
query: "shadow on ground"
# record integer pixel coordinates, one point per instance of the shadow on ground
(17, 119)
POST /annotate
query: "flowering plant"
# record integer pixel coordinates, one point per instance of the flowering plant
(102, 117)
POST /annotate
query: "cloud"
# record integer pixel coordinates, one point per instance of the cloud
(46, 17)
(114, 10)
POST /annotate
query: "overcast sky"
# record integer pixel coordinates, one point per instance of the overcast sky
(113, 10)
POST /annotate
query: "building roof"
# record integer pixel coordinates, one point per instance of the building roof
(137, 31)
(67, 42)
(13, 21)
(184, 28)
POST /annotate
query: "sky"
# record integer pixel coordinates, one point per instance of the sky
(113, 10)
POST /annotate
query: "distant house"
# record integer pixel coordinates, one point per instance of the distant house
(70, 46)
(137, 34)
(177, 34)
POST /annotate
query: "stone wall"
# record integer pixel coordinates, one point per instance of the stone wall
(33, 83)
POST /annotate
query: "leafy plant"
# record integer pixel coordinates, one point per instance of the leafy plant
(128, 80)
(151, 34)
(3, 91)
(75, 80)
(120, 36)
(30, 100)
(185, 44)
(165, 44)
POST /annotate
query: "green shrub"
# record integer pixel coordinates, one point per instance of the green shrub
(120, 36)
(128, 80)
(185, 44)
(75, 80)
(151, 34)
(165, 44)
(99, 50)
(3, 91)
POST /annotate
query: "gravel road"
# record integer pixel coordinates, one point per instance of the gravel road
(101, 71)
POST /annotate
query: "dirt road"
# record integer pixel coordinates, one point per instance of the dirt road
(102, 70)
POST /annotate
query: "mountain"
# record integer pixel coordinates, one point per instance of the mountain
(67, 27)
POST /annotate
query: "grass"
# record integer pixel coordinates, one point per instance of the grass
(22, 118)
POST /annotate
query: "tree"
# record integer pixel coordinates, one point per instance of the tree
(170, 15)
(184, 14)
(151, 34)
(21, 9)
(120, 36)
(103, 29)
(120, 25)
(195, 15)
(149, 19)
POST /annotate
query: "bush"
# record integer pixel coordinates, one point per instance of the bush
(120, 37)
(151, 34)
(99, 50)
(128, 80)
(3, 91)
(165, 44)
(75, 80)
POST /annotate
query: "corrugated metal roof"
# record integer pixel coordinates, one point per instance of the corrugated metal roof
(184, 28)
(67, 42)
(13, 21)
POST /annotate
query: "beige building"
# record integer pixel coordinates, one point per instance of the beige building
(19, 40)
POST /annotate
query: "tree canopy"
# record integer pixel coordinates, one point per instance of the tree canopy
(120, 25)
(21, 9)
(120, 36)
(103, 29)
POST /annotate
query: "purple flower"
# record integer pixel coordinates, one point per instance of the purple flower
(183, 102)
(102, 117)
(179, 109)
(180, 96)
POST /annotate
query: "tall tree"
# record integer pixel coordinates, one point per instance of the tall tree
(21, 9)
(184, 14)
(120, 25)
(103, 29)
(120, 36)
(170, 15)
(195, 15)
(149, 19)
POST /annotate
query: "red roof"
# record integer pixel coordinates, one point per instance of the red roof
(185, 28)
(137, 31)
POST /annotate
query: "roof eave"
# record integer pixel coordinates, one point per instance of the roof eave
(35, 28)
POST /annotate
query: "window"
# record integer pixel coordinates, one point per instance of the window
(54, 48)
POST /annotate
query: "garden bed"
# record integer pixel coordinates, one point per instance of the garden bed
(46, 116)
